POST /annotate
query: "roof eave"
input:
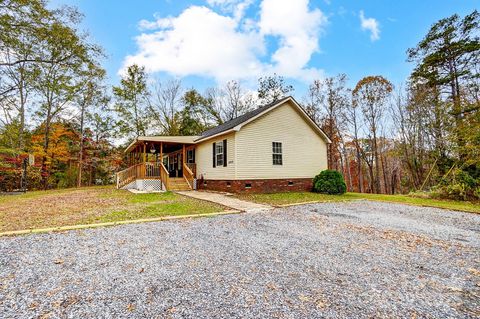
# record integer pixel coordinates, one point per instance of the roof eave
(206, 138)
(130, 145)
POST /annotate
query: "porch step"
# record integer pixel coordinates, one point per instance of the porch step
(179, 184)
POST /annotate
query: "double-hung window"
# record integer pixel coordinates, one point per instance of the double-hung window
(219, 153)
(277, 153)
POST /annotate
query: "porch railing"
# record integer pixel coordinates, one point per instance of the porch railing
(188, 175)
(152, 170)
(143, 171)
(128, 175)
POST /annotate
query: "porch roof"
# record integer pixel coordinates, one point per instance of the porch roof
(164, 139)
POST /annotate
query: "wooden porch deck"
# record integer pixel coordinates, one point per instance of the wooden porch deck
(157, 171)
(146, 162)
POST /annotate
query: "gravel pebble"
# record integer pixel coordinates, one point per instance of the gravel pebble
(332, 260)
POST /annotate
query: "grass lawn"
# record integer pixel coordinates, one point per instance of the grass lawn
(41, 209)
(278, 199)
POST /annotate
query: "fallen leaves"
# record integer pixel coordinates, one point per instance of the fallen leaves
(408, 240)
(46, 315)
(70, 300)
(33, 305)
(318, 300)
(474, 271)
(56, 208)
(455, 289)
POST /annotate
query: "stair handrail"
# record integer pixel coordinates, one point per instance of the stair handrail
(164, 176)
(188, 175)
(192, 167)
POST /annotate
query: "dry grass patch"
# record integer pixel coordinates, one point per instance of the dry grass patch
(91, 205)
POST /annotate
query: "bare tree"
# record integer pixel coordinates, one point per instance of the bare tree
(352, 116)
(89, 95)
(228, 102)
(313, 100)
(327, 100)
(272, 88)
(165, 105)
(238, 101)
(372, 93)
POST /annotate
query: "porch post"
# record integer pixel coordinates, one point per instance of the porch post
(144, 152)
(161, 152)
(183, 155)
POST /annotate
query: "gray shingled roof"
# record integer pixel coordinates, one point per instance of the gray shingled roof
(238, 120)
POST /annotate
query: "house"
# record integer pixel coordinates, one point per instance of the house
(276, 147)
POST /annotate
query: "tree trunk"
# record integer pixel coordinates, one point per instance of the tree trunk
(384, 171)
(359, 168)
(44, 169)
(80, 155)
(21, 113)
(347, 168)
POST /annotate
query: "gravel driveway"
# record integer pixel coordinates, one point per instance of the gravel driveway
(357, 260)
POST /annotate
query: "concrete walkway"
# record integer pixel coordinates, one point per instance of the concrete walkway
(228, 201)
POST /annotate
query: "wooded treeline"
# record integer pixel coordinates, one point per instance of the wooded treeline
(424, 135)
(56, 105)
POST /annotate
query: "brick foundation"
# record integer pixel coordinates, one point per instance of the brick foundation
(257, 185)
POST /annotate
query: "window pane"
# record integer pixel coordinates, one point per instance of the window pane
(219, 159)
(277, 153)
(219, 154)
(277, 159)
(277, 147)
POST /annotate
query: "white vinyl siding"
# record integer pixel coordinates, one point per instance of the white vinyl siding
(304, 151)
(204, 158)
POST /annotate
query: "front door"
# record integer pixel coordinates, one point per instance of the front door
(175, 167)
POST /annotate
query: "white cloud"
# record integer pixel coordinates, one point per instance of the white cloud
(228, 45)
(198, 42)
(298, 30)
(370, 24)
(235, 7)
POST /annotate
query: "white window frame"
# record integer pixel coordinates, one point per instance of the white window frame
(190, 156)
(219, 154)
(277, 153)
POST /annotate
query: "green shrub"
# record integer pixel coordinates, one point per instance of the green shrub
(67, 178)
(329, 182)
(476, 192)
(460, 185)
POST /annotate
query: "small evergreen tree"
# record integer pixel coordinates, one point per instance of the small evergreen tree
(329, 182)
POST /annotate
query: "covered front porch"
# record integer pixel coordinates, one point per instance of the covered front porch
(159, 163)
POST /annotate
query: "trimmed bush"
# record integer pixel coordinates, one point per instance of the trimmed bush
(329, 182)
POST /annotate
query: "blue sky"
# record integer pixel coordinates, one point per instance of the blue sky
(212, 41)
